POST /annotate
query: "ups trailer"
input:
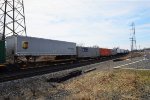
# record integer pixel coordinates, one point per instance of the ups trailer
(22, 46)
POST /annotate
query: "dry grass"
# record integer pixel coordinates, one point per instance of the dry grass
(114, 85)
(135, 54)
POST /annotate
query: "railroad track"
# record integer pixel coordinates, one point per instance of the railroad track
(23, 73)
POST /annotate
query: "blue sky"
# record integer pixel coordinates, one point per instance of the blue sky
(105, 23)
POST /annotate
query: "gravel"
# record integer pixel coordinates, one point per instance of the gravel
(39, 88)
(109, 65)
(32, 88)
(144, 64)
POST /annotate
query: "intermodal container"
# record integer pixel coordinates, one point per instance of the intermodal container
(32, 46)
(105, 52)
(120, 51)
(114, 52)
(87, 52)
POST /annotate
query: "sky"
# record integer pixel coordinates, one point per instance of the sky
(105, 23)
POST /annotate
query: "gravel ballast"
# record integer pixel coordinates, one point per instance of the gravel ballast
(39, 87)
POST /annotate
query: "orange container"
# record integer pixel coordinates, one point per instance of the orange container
(105, 52)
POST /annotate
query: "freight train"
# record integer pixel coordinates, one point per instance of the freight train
(22, 48)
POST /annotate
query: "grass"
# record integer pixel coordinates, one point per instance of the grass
(114, 85)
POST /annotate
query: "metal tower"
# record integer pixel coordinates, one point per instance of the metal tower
(133, 40)
(12, 18)
(12, 22)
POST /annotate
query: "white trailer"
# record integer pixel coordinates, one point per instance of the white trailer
(87, 52)
(32, 46)
(120, 51)
(114, 52)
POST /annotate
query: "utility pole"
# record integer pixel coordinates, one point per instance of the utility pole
(12, 22)
(133, 40)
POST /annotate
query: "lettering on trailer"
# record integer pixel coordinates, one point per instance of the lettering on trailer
(85, 49)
